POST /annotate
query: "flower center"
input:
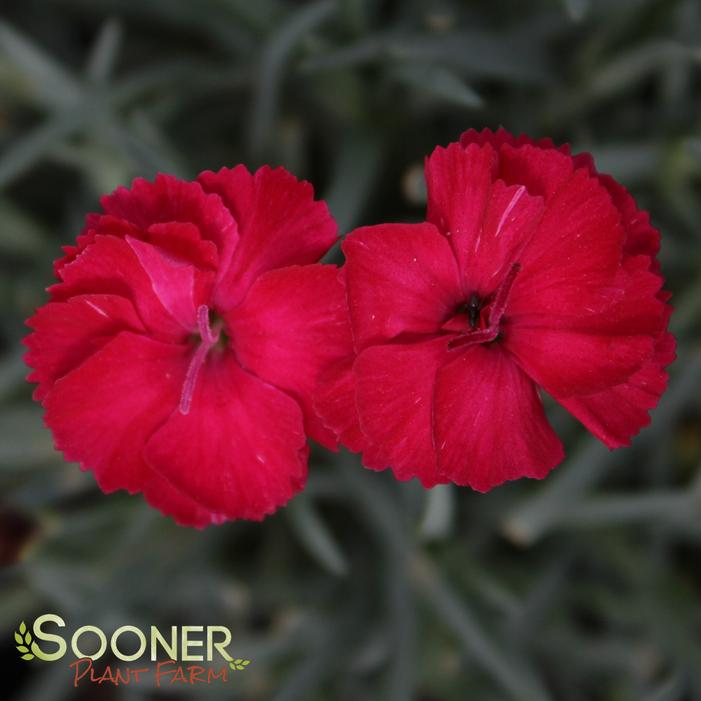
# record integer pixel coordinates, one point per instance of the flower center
(209, 337)
(473, 309)
(495, 311)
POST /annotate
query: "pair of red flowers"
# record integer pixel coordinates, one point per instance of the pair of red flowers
(193, 342)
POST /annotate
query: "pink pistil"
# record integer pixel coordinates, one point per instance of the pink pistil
(208, 340)
(502, 296)
(476, 336)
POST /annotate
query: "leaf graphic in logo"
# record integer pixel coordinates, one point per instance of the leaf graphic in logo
(239, 664)
(24, 639)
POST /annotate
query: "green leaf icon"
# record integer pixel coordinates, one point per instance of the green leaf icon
(239, 664)
(24, 639)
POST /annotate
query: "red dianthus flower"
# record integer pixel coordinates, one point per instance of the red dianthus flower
(533, 271)
(181, 345)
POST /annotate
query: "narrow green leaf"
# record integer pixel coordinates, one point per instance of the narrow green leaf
(274, 63)
(54, 85)
(12, 371)
(24, 441)
(631, 162)
(629, 68)
(402, 628)
(574, 480)
(439, 513)
(536, 514)
(476, 52)
(315, 536)
(148, 152)
(438, 82)
(507, 670)
(104, 53)
(656, 508)
(364, 51)
(358, 160)
(577, 9)
(27, 150)
(19, 233)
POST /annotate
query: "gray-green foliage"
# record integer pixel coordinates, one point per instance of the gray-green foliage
(584, 587)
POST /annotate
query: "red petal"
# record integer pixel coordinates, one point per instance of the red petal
(544, 172)
(292, 325)
(489, 422)
(169, 199)
(172, 281)
(241, 449)
(183, 241)
(107, 226)
(335, 403)
(402, 278)
(591, 352)
(334, 396)
(459, 183)
(279, 224)
(394, 390)
(501, 136)
(641, 236)
(615, 415)
(571, 262)
(636, 306)
(180, 240)
(169, 500)
(110, 266)
(567, 362)
(66, 333)
(510, 220)
(102, 413)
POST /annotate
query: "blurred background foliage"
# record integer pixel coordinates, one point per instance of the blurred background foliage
(583, 587)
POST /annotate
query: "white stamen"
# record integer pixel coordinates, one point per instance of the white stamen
(509, 207)
(101, 312)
